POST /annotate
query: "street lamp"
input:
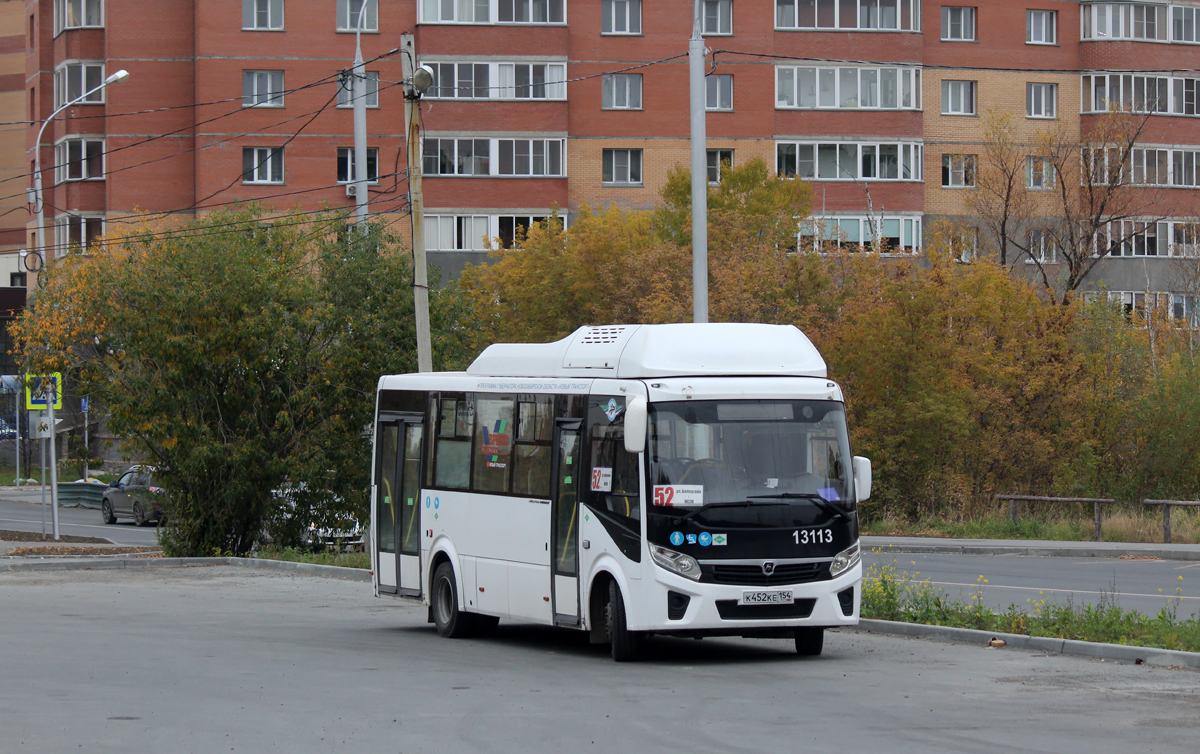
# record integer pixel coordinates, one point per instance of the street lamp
(116, 78)
(417, 80)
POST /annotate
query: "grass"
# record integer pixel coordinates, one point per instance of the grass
(894, 595)
(1063, 525)
(344, 559)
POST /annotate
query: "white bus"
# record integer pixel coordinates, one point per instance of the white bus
(693, 480)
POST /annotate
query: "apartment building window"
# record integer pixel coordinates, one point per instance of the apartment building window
(719, 91)
(958, 97)
(1185, 168)
(78, 14)
(456, 232)
(532, 81)
(806, 87)
(80, 160)
(460, 80)
(884, 15)
(621, 167)
(717, 159)
(1042, 248)
(513, 228)
(530, 157)
(958, 170)
(1185, 24)
(621, 91)
(887, 234)
(529, 11)
(76, 232)
(1138, 238)
(345, 97)
(1141, 21)
(1139, 93)
(717, 17)
(262, 88)
(1039, 174)
(352, 13)
(620, 16)
(262, 15)
(262, 165)
(461, 12)
(1150, 167)
(457, 157)
(1041, 27)
(849, 161)
(958, 24)
(16, 280)
(1041, 100)
(345, 165)
(73, 79)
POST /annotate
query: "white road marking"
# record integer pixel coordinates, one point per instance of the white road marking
(61, 524)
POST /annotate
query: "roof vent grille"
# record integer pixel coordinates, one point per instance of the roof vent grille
(599, 336)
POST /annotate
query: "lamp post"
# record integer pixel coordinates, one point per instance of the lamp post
(115, 78)
(696, 85)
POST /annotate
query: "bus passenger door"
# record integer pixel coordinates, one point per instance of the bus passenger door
(386, 493)
(568, 448)
(408, 524)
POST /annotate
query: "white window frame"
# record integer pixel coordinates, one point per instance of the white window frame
(531, 12)
(820, 88)
(833, 231)
(1039, 174)
(62, 230)
(1185, 24)
(345, 98)
(458, 70)
(62, 86)
(1160, 95)
(1041, 100)
(718, 86)
(811, 160)
(962, 17)
(90, 10)
(63, 162)
(547, 80)
(464, 165)
(1124, 20)
(621, 91)
(1041, 27)
(960, 97)
(465, 232)
(882, 15)
(1041, 242)
(253, 10)
(553, 86)
(960, 171)
(609, 158)
(253, 94)
(267, 161)
(348, 16)
(552, 151)
(621, 17)
(346, 155)
(716, 18)
(715, 158)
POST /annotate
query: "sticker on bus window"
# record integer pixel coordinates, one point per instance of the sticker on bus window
(602, 479)
(679, 495)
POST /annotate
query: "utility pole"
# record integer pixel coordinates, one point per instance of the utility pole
(50, 401)
(358, 94)
(413, 89)
(699, 170)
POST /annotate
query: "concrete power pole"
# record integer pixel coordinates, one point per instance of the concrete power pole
(358, 94)
(699, 170)
(412, 122)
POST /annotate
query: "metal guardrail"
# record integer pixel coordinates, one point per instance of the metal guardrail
(86, 494)
(1096, 502)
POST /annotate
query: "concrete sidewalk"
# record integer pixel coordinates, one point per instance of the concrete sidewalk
(1042, 548)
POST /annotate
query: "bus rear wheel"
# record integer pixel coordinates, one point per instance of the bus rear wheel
(626, 644)
(449, 620)
(810, 641)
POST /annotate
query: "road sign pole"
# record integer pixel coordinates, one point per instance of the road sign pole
(53, 458)
(17, 419)
(42, 447)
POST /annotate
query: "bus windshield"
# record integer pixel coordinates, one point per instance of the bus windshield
(753, 451)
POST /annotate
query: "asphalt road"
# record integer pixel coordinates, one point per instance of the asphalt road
(20, 510)
(220, 659)
(1024, 580)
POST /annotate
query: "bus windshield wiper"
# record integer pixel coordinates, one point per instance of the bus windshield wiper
(743, 504)
(826, 505)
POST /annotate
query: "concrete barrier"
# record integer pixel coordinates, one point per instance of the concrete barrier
(81, 494)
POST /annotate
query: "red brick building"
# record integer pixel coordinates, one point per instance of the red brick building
(541, 104)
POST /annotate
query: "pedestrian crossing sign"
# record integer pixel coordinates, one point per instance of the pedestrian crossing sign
(40, 387)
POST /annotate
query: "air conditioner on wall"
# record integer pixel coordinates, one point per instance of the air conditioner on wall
(350, 189)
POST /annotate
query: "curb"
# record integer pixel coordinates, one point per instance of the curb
(124, 562)
(1034, 550)
(1047, 644)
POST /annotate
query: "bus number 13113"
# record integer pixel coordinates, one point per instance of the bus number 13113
(813, 536)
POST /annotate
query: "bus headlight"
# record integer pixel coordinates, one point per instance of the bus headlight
(676, 562)
(844, 561)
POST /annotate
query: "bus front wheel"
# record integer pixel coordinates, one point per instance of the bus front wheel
(626, 644)
(450, 621)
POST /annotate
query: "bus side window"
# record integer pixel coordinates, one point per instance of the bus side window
(452, 450)
(531, 458)
(493, 445)
(613, 481)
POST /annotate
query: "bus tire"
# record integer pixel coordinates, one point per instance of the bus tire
(626, 644)
(449, 620)
(810, 641)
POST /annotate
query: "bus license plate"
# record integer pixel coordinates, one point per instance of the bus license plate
(767, 597)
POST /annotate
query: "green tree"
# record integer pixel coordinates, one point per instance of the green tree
(235, 355)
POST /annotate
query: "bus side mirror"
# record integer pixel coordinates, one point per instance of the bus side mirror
(635, 425)
(862, 478)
